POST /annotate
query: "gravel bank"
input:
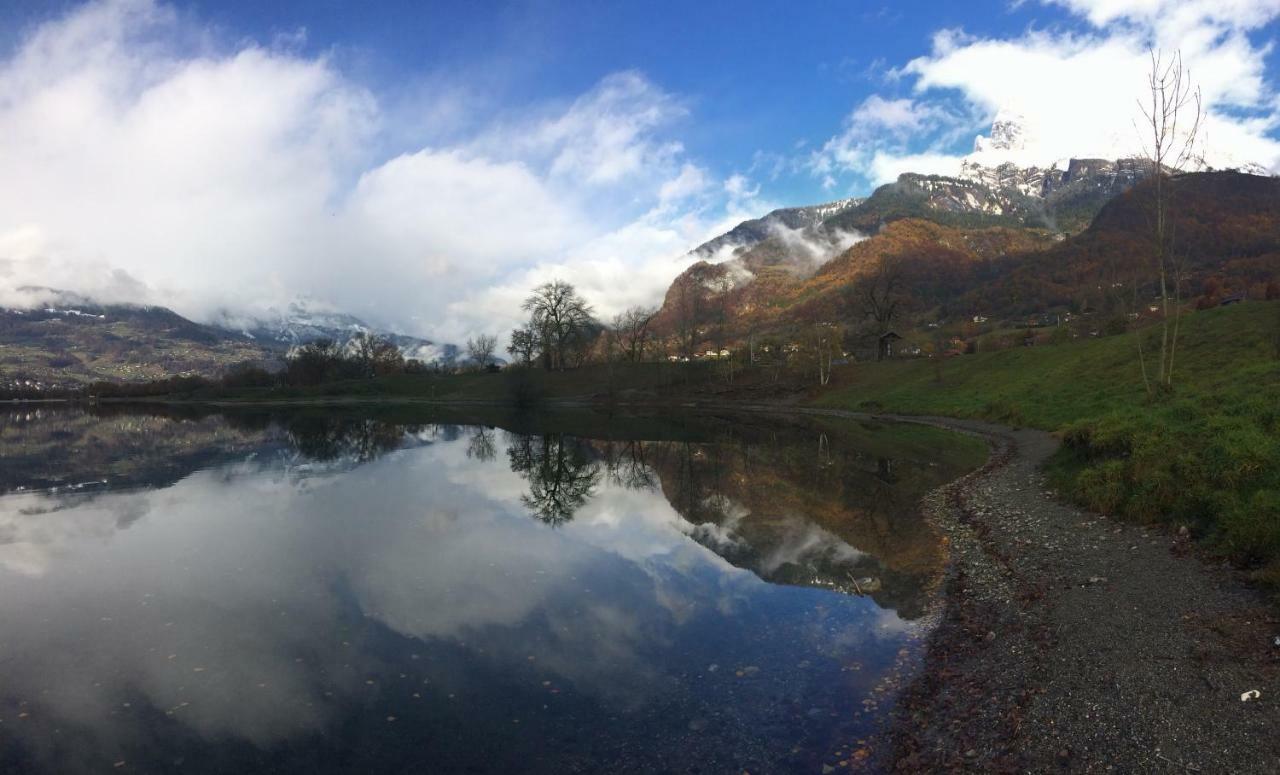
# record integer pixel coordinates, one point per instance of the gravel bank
(1069, 642)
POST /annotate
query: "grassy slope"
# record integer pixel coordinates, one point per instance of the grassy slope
(1208, 456)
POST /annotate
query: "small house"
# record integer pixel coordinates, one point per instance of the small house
(886, 345)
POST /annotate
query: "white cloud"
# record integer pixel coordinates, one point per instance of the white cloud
(1176, 15)
(691, 180)
(606, 135)
(876, 112)
(1077, 90)
(147, 160)
(879, 134)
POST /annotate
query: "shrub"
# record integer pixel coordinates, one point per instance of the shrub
(248, 375)
(1004, 411)
(523, 388)
(1251, 527)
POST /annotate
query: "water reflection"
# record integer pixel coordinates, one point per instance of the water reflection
(561, 472)
(318, 592)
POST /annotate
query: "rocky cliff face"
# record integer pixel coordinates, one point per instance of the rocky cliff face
(1061, 198)
(1101, 175)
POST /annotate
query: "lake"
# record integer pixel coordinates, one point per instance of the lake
(407, 589)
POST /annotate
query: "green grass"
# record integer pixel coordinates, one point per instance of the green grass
(1207, 456)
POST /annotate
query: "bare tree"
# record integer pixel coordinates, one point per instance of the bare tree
(1170, 128)
(688, 309)
(482, 349)
(824, 342)
(880, 295)
(524, 346)
(375, 355)
(561, 320)
(630, 331)
(1276, 332)
(481, 446)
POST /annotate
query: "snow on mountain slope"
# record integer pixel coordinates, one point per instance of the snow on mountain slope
(1012, 157)
(304, 321)
(750, 233)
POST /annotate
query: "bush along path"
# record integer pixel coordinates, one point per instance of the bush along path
(1070, 642)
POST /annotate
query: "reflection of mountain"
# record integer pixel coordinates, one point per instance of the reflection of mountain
(794, 505)
(818, 514)
(79, 450)
(111, 447)
(337, 597)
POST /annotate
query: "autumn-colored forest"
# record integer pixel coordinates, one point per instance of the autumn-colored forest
(1226, 239)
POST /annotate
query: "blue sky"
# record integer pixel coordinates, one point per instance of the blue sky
(758, 77)
(424, 163)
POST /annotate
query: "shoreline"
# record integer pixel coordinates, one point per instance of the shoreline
(1071, 642)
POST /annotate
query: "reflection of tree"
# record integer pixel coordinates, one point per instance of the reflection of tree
(562, 475)
(331, 438)
(481, 445)
(884, 470)
(626, 464)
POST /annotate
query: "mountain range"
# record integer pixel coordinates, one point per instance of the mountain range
(71, 340)
(302, 322)
(1003, 243)
(1002, 237)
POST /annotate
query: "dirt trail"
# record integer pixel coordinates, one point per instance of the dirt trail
(1069, 642)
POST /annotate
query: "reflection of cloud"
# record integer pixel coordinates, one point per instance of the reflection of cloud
(806, 544)
(36, 528)
(244, 600)
(462, 560)
(142, 616)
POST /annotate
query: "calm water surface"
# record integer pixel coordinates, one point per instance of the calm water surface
(322, 592)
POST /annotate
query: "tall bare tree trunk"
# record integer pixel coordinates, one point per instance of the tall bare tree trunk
(1168, 149)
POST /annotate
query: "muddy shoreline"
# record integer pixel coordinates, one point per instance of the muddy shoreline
(1068, 642)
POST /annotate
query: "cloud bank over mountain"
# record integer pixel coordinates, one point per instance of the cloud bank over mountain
(1073, 90)
(150, 156)
(145, 159)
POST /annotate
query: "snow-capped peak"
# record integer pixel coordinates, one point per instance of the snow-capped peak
(1009, 134)
(1017, 142)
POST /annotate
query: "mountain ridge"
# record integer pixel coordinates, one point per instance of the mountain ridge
(69, 339)
(959, 259)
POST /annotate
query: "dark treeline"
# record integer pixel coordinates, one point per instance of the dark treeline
(323, 361)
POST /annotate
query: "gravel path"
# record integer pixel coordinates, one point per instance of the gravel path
(1069, 642)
